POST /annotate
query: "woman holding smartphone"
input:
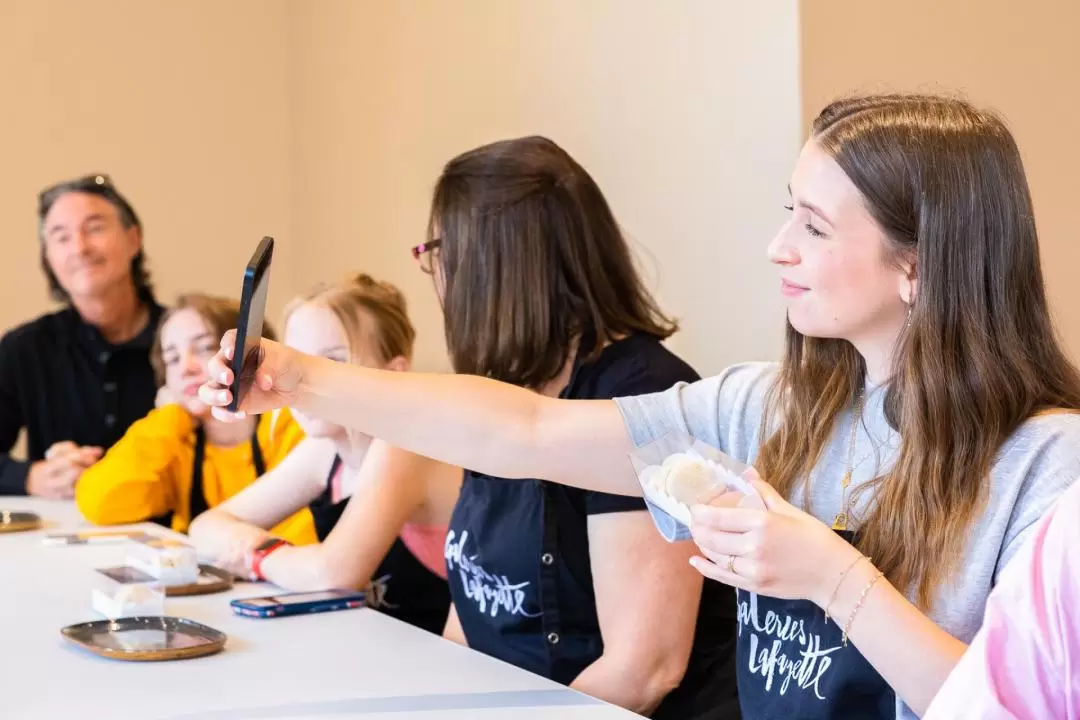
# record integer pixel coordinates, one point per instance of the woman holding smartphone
(922, 419)
(539, 290)
(380, 512)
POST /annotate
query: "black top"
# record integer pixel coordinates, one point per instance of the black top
(402, 586)
(61, 380)
(520, 569)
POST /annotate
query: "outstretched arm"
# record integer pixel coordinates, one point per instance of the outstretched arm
(466, 421)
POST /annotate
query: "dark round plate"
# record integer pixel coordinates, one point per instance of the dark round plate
(147, 638)
(210, 580)
(19, 521)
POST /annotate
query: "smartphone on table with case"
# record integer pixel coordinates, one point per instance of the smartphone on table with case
(247, 353)
(300, 603)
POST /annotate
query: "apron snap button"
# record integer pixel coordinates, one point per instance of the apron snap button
(547, 558)
(553, 638)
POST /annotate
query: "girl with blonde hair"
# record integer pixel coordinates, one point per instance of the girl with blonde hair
(380, 512)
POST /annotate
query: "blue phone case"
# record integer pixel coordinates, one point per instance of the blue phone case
(262, 607)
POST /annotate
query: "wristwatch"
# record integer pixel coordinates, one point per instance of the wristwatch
(259, 553)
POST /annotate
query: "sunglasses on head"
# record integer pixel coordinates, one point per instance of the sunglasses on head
(86, 182)
(96, 184)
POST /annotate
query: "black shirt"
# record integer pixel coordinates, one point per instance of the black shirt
(520, 568)
(61, 380)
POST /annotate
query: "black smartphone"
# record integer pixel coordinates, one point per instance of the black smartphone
(247, 354)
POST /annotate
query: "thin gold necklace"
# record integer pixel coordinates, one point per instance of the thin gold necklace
(840, 522)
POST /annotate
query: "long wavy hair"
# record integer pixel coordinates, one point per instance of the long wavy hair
(945, 181)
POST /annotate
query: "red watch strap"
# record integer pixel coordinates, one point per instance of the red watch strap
(258, 555)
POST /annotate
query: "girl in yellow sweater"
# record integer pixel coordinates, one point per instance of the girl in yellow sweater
(179, 461)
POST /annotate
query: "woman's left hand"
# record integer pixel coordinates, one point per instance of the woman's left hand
(780, 552)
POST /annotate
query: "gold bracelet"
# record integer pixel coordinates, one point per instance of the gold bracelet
(855, 610)
(841, 582)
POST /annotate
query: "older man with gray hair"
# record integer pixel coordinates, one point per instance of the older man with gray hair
(75, 379)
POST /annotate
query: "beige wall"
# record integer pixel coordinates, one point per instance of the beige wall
(325, 124)
(1020, 58)
(183, 104)
(686, 114)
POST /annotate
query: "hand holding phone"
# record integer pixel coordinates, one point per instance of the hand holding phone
(279, 374)
(233, 390)
(247, 350)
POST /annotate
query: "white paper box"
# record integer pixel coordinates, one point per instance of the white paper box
(128, 600)
(170, 561)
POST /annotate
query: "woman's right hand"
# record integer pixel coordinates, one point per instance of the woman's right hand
(276, 381)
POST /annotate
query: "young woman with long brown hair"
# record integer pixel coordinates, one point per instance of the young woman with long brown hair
(911, 435)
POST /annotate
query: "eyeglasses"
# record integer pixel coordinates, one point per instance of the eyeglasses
(424, 253)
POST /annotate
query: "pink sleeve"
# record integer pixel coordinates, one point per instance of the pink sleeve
(1025, 660)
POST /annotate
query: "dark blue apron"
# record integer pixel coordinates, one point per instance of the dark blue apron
(793, 665)
(521, 580)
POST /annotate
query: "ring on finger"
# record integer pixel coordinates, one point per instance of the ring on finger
(731, 565)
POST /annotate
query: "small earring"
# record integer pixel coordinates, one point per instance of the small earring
(908, 323)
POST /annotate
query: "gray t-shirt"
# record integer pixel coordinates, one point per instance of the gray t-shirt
(1033, 467)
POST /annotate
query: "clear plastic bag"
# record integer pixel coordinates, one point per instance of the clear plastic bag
(676, 471)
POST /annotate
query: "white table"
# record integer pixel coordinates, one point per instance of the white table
(348, 664)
